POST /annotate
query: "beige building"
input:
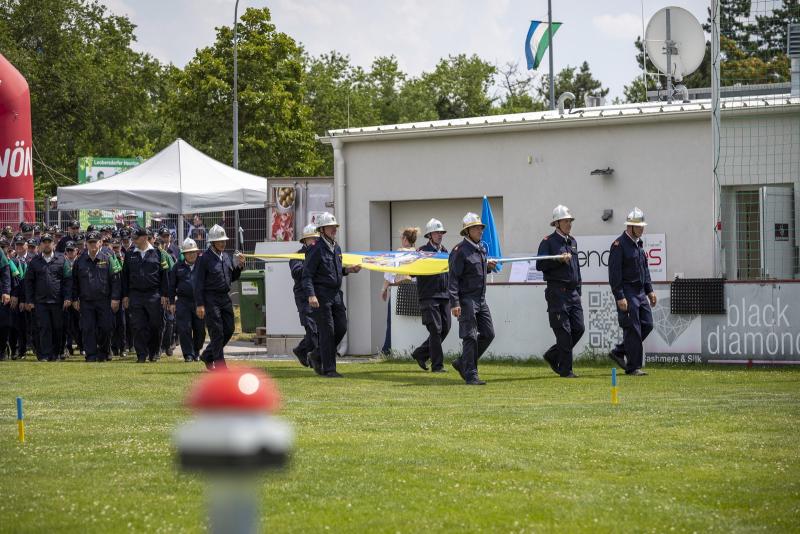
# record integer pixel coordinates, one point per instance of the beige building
(655, 156)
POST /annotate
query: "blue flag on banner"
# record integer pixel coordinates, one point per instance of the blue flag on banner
(490, 232)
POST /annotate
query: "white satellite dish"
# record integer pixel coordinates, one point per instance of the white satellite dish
(675, 43)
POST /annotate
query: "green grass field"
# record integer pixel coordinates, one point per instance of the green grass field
(392, 449)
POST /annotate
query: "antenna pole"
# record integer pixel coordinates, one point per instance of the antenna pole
(668, 45)
(550, 53)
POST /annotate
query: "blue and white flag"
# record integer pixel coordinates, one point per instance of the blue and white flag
(537, 41)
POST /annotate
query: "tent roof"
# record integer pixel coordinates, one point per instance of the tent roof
(179, 179)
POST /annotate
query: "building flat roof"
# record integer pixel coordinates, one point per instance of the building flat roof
(570, 118)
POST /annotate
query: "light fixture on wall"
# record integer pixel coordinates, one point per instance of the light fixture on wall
(608, 171)
(607, 214)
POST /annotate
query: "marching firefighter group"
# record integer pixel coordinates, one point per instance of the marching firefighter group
(461, 293)
(110, 290)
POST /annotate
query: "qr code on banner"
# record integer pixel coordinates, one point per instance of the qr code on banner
(604, 331)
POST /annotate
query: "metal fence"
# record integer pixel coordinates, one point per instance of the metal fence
(756, 161)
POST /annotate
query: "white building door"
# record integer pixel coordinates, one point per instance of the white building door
(776, 205)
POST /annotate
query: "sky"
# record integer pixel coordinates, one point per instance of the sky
(417, 32)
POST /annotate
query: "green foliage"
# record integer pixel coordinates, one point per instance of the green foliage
(91, 94)
(276, 135)
(577, 80)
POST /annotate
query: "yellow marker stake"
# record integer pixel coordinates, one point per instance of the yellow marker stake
(20, 421)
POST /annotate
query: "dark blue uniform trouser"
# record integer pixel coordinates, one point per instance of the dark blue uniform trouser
(565, 312)
(31, 329)
(476, 331)
(118, 331)
(309, 341)
(96, 324)
(21, 339)
(436, 318)
(146, 315)
(6, 323)
(331, 320)
(49, 330)
(72, 329)
(220, 324)
(636, 323)
(191, 330)
(167, 331)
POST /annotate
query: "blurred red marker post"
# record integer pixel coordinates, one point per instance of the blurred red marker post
(233, 439)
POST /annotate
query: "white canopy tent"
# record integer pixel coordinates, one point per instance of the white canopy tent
(179, 179)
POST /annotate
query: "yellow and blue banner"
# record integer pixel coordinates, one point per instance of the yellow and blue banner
(410, 263)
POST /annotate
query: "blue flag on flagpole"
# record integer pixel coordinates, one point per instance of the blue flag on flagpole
(537, 41)
(490, 232)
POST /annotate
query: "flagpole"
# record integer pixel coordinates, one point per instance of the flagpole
(550, 52)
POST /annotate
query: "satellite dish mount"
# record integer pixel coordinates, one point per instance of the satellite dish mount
(675, 43)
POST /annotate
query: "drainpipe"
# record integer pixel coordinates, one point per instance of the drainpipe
(340, 209)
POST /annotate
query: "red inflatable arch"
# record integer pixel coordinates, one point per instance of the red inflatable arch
(16, 149)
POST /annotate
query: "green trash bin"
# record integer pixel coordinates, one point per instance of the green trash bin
(251, 300)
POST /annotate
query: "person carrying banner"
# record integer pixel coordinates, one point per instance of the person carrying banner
(309, 341)
(322, 281)
(434, 304)
(563, 291)
(468, 268)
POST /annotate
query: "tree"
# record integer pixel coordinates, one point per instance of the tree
(580, 83)
(517, 89)
(339, 95)
(276, 133)
(459, 86)
(91, 94)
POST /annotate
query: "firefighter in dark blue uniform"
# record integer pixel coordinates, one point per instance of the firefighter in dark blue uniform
(119, 322)
(72, 317)
(19, 336)
(145, 289)
(434, 304)
(96, 294)
(191, 329)
(309, 341)
(6, 315)
(468, 267)
(214, 273)
(48, 289)
(563, 292)
(72, 234)
(629, 277)
(322, 281)
(169, 336)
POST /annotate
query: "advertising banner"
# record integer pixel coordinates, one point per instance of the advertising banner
(593, 258)
(282, 214)
(91, 169)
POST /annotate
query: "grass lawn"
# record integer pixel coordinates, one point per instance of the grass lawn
(392, 449)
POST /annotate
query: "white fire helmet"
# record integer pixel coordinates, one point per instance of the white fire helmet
(561, 212)
(309, 231)
(189, 245)
(635, 218)
(217, 233)
(326, 219)
(434, 225)
(470, 220)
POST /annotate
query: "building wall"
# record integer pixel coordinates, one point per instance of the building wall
(664, 168)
